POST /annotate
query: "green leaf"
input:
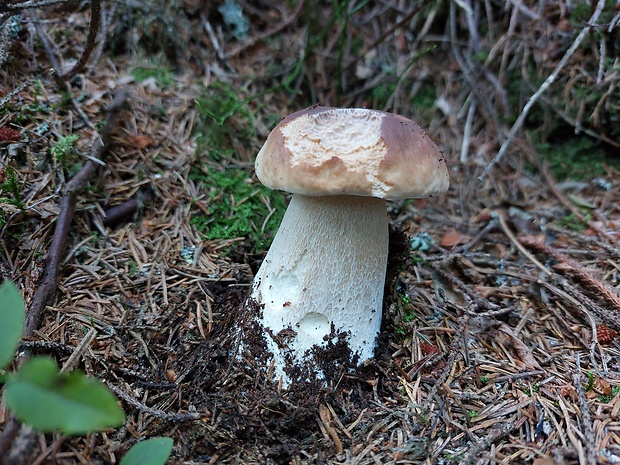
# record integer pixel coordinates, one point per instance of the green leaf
(39, 395)
(11, 322)
(154, 451)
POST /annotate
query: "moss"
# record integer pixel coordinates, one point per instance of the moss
(425, 98)
(577, 157)
(162, 74)
(239, 207)
(573, 223)
(583, 12)
(218, 129)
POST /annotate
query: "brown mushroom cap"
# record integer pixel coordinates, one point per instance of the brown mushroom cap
(352, 151)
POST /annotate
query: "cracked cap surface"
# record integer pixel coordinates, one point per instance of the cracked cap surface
(352, 151)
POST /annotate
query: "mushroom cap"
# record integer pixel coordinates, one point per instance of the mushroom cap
(351, 151)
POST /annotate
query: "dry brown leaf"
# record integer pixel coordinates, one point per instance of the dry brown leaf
(428, 349)
(523, 351)
(141, 141)
(451, 238)
(602, 386)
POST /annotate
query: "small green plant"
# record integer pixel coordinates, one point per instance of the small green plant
(161, 74)
(528, 391)
(63, 153)
(409, 313)
(11, 187)
(154, 451)
(12, 318)
(238, 208)
(417, 260)
(40, 395)
(29, 113)
(473, 414)
(484, 379)
(132, 268)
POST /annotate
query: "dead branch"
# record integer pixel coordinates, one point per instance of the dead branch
(519, 246)
(325, 416)
(127, 211)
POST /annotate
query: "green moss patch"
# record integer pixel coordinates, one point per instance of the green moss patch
(239, 207)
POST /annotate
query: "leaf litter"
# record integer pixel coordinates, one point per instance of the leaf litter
(499, 338)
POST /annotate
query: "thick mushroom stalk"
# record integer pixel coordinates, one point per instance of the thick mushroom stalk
(326, 266)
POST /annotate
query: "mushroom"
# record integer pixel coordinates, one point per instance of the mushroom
(325, 271)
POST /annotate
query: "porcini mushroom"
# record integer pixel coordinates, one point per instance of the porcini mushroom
(325, 271)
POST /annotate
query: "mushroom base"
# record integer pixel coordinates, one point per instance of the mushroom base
(323, 277)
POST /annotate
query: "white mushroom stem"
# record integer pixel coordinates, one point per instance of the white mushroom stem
(326, 266)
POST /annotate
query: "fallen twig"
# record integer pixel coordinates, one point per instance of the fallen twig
(325, 416)
(82, 347)
(570, 266)
(586, 419)
(519, 246)
(127, 211)
(153, 411)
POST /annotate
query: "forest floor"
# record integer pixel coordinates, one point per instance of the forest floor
(502, 305)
